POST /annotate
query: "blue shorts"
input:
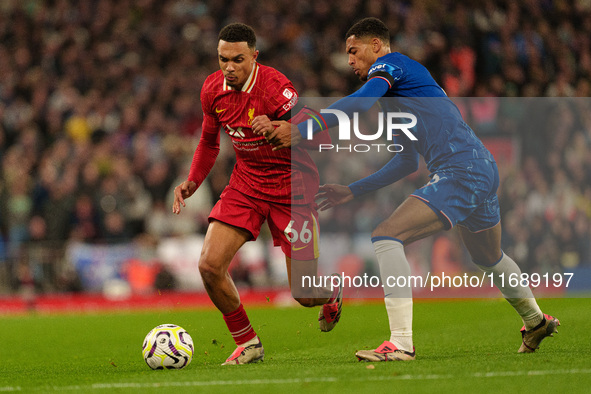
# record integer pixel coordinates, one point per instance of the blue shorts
(464, 194)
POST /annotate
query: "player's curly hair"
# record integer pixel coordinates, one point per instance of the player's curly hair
(370, 27)
(239, 32)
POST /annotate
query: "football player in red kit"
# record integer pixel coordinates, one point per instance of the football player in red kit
(276, 186)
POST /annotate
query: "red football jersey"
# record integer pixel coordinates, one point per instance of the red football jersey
(283, 176)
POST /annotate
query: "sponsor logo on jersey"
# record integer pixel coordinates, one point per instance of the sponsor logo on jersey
(376, 68)
(288, 93)
(217, 111)
(249, 146)
(292, 101)
(389, 68)
(236, 133)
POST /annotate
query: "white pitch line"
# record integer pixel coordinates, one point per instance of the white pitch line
(98, 386)
(134, 385)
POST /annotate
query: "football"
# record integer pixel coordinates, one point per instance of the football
(168, 346)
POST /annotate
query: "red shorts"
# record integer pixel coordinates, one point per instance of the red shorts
(293, 227)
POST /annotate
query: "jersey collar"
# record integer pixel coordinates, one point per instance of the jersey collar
(249, 84)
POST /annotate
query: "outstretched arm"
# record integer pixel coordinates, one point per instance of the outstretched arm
(203, 160)
(182, 191)
(282, 136)
(333, 195)
(401, 165)
(263, 125)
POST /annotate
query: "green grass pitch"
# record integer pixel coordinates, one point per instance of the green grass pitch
(462, 347)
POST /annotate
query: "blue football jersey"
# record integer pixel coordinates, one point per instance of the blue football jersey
(442, 135)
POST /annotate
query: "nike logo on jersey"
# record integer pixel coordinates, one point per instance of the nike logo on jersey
(217, 111)
(296, 249)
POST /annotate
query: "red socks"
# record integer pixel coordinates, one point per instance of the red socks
(239, 326)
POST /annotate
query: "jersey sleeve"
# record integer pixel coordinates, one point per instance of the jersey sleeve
(283, 96)
(401, 165)
(386, 71)
(208, 147)
(360, 101)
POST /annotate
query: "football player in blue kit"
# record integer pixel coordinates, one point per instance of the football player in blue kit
(461, 192)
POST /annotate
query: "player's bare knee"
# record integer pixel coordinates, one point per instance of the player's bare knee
(210, 272)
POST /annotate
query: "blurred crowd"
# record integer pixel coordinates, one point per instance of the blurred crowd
(100, 112)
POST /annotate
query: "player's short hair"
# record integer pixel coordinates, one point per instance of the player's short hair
(239, 32)
(370, 27)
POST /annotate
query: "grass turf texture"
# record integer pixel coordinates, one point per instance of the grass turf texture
(462, 346)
